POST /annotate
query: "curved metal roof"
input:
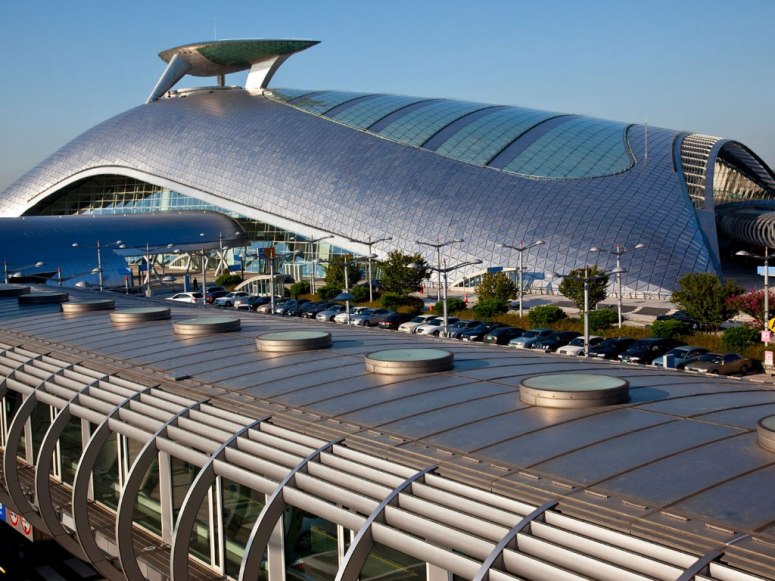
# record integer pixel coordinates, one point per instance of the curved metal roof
(649, 487)
(314, 174)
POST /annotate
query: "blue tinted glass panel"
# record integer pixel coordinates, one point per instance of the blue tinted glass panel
(368, 111)
(581, 147)
(417, 126)
(319, 103)
(288, 94)
(480, 141)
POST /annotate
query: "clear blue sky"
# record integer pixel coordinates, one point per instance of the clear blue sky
(699, 65)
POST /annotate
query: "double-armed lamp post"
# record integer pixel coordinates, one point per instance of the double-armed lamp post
(618, 251)
(438, 246)
(17, 271)
(586, 278)
(443, 270)
(522, 248)
(371, 243)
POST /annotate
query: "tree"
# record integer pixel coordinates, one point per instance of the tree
(335, 271)
(572, 286)
(544, 315)
(704, 297)
(752, 304)
(299, 288)
(398, 277)
(496, 286)
(489, 308)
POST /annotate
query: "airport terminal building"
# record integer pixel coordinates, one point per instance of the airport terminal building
(163, 442)
(294, 166)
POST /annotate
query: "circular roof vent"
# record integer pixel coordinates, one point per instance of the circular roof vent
(140, 315)
(43, 298)
(574, 390)
(409, 361)
(293, 341)
(13, 290)
(206, 326)
(87, 306)
(766, 433)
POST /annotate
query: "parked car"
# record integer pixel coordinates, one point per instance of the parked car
(478, 332)
(214, 292)
(682, 316)
(555, 341)
(393, 320)
(502, 335)
(434, 327)
(576, 346)
(267, 308)
(611, 347)
(311, 309)
(343, 318)
(678, 357)
(227, 301)
(186, 297)
(529, 337)
(328, 314)
(250, 303)
(369, 317)
(460, 327)
(720, 364)
(288, 308)
(646, 350)
(411, 326)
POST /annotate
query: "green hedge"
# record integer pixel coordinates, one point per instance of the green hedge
(544, 315)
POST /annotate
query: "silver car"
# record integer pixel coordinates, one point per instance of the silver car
(370, 317)
(527, 339)
(328, 315)
(343, 318)
(460, 327)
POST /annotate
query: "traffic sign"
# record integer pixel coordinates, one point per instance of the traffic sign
(771, 324)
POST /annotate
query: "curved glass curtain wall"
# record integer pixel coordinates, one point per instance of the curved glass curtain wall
(123, 195)
(579, 147)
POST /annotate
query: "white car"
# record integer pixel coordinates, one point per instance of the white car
(228, 300)
(576, 346)
(186, 297)
(435, 326)
(411, 326)
(343, 318)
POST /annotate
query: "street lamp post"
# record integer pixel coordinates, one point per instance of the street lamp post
(315, 254)
(521, 249)
(438, 246)
(586, 279)
(371, 243)
(5, 268)
(766, 259)
(98, 247)
(618, 251)
(443, 271)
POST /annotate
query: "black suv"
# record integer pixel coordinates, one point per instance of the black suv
(646, 350)
(610, 348)
(555, 341)
(682, 316)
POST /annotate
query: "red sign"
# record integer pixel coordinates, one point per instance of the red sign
(19, 523)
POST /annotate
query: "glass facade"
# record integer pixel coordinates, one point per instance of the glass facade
(115, 194)
(367, 112)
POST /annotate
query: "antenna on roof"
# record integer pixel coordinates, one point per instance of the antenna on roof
(646, 132)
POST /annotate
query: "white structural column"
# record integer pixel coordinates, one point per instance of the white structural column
(81, 486)
(16, 430)
(495, 559)
(46, 508)
(363, 542)
(269, 517)
(126, 504)
(181, 537)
